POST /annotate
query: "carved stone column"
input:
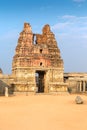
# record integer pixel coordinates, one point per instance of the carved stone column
(80, 86)
(77, 87)
(86, 86)
(83, 86)
(6, 91)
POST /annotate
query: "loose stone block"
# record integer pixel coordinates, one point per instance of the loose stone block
(79, 100)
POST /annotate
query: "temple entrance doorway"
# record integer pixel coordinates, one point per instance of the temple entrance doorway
(40, 81)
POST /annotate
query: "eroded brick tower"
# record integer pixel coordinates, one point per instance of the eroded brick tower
(37, 64)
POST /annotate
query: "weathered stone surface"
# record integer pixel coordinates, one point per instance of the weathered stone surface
(44, 50)
(79, 100)
(77, 82)
(37, 53)
(37, 63)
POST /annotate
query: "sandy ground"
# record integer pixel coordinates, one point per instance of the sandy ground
(43, 112)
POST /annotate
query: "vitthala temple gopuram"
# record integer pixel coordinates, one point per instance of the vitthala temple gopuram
(37, 67)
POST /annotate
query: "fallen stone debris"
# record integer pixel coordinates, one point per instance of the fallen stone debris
(78, 100)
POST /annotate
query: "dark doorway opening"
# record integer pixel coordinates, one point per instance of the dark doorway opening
(40, 81)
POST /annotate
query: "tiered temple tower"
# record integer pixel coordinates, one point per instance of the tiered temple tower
(37, 65)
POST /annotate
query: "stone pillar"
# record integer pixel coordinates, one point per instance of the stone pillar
(80, 86)
(6, 91)
(77, 88)
(86, 86)
(83, 86)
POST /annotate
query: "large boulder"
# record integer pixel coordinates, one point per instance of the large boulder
(79, 100)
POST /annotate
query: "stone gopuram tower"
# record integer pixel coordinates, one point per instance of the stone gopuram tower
(37, 65)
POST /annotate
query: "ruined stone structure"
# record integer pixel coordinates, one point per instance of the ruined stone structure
(77, 82)
(37, 65)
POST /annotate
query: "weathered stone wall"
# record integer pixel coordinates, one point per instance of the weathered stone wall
(77, 82)
(37, 53)
(6, 81)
